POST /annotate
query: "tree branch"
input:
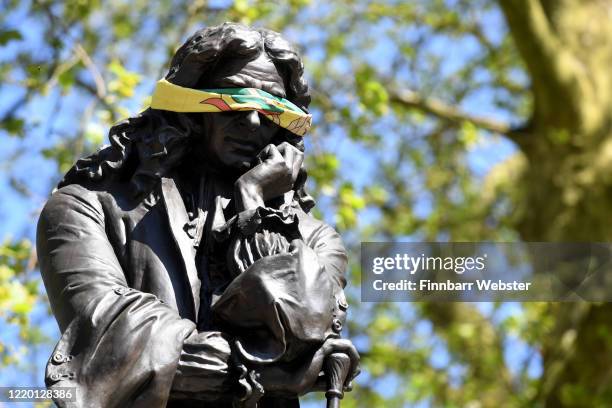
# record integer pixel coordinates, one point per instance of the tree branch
(444, 111)
(93, 69)
(556, 74)
(532, 32)
(481, 351)
(94, 92)
(10, 112)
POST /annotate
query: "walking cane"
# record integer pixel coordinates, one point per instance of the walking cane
(336, 368)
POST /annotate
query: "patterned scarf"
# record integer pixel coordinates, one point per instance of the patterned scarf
(281, 111)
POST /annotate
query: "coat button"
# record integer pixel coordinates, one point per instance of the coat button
(120, 290)
(190, 229)
(55, 377)
(58, 357)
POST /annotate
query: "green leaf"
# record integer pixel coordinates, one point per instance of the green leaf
(14, 126)
(372, 93)
(61, 154)
(66, 79)
(7, 36)
(125, 81)
(468, 134)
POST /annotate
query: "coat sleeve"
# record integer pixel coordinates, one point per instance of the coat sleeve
(327, 245)
(119, 346)
(288, 296)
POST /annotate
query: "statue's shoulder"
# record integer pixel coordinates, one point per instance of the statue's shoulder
(69, 205)
(96, 197)
(71, 193)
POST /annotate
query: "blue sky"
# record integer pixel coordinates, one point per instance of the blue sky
(17, 212)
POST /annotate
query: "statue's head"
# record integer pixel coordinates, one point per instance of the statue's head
(225, 56)
(236, 56)
(224, 50)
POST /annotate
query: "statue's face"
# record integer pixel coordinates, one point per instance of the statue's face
(235, 138)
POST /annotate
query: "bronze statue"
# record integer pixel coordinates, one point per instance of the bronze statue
(181, 262)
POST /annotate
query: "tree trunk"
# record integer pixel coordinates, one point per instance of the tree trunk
(567, 180)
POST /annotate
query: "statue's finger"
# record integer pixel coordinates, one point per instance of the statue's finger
(289, 155)
(264, 153)
(282, 147)
(346, 346)
(320, 384)
(274, 154)
(356, 372)
(297, 164)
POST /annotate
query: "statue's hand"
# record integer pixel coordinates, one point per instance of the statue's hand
(278, 381)
(294, 159)
(275, 174)
(311, 374)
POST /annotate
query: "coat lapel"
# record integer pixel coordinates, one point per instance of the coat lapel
(177, 218)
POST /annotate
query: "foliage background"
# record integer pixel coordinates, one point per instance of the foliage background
(463, 120)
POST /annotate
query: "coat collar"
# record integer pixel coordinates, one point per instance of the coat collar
(178, 220)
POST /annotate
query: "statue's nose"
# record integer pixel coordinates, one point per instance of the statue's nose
(251, 121)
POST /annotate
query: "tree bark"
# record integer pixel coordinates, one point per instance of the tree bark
(567, 181)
